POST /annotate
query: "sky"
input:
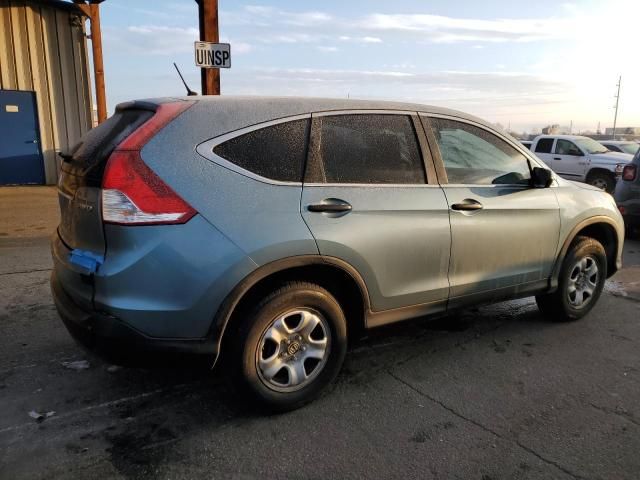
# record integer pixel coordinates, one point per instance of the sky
(521, 64)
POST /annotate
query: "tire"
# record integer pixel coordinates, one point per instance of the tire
(602, 180)
(564, 304)
(286, 374)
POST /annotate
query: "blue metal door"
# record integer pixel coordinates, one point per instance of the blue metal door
(20, 155)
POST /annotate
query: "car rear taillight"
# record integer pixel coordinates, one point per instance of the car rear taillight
(132, 194)
(629, 172)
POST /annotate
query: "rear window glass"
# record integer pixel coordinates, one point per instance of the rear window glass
(98, 143)
(544, 145)
(277, 152)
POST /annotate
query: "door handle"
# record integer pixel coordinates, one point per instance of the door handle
(330, 205)
(31, 141)
(557, 158)
(467, 205)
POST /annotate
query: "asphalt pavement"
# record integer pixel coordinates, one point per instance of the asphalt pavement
(491, 393)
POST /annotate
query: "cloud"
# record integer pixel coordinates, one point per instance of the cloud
(306, 18)
(434, 84)
(317, 26)
(443, 29)
(153, 39)
(161, 40)
(292, 37)
(567, 42)
(492, 95)
(171, 12)
(327, 49)
(262, 16)
(365, 39)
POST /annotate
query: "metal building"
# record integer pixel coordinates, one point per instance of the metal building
(45, 95)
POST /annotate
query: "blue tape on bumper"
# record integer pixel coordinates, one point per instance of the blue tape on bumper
(89, 261)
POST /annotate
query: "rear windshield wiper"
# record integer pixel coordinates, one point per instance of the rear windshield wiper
(66, 157)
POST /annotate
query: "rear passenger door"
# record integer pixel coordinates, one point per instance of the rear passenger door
(544, 149)
(368, 201)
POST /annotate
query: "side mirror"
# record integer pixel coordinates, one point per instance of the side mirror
(575, 152)
(541, 177)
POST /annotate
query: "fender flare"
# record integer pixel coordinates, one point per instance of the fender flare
(231, 301)
(555, 273)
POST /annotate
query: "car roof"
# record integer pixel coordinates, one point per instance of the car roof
(266, 107)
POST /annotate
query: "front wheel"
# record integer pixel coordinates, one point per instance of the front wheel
(291, 346)
(582, 277)
(603, 181)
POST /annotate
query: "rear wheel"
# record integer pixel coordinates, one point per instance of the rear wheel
(291, 346)
(580, 284)
(603, 181)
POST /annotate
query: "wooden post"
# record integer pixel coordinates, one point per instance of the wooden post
(98, 65)
(93, 12)
(208, 17)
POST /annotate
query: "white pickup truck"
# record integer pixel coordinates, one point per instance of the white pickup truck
(581, 158)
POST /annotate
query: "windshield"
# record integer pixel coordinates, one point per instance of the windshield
(590, 146)
(630, 147)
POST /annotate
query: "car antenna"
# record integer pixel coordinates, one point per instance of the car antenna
(190, 92)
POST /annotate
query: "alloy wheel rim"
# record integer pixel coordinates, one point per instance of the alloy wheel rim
(599, 183)
(293, 350)
(583, 281)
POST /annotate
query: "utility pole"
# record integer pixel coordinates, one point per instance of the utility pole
(92, 10)
(208, 17)
(617, 97)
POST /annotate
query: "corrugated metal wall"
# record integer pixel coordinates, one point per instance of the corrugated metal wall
(43, 48)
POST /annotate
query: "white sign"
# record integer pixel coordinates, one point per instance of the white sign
(213, 55)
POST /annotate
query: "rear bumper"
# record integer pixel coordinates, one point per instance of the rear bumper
(113, 339)
(632, 220)
(630, 212)
(627, 197)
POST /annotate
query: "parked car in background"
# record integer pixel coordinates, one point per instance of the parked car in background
(627, 194)
(272, 230)
(622, 146)
(526, 143)
(581, 159)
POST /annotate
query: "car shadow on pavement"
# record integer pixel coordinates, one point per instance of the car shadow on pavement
(139, 420)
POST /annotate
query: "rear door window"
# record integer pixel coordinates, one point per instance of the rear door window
(544, 145)
(276, 152)
(367, 148)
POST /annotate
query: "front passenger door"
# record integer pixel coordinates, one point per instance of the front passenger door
(504, 234)
(569, 160)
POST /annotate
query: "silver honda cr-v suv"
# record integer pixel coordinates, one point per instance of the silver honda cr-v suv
(272, 230)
